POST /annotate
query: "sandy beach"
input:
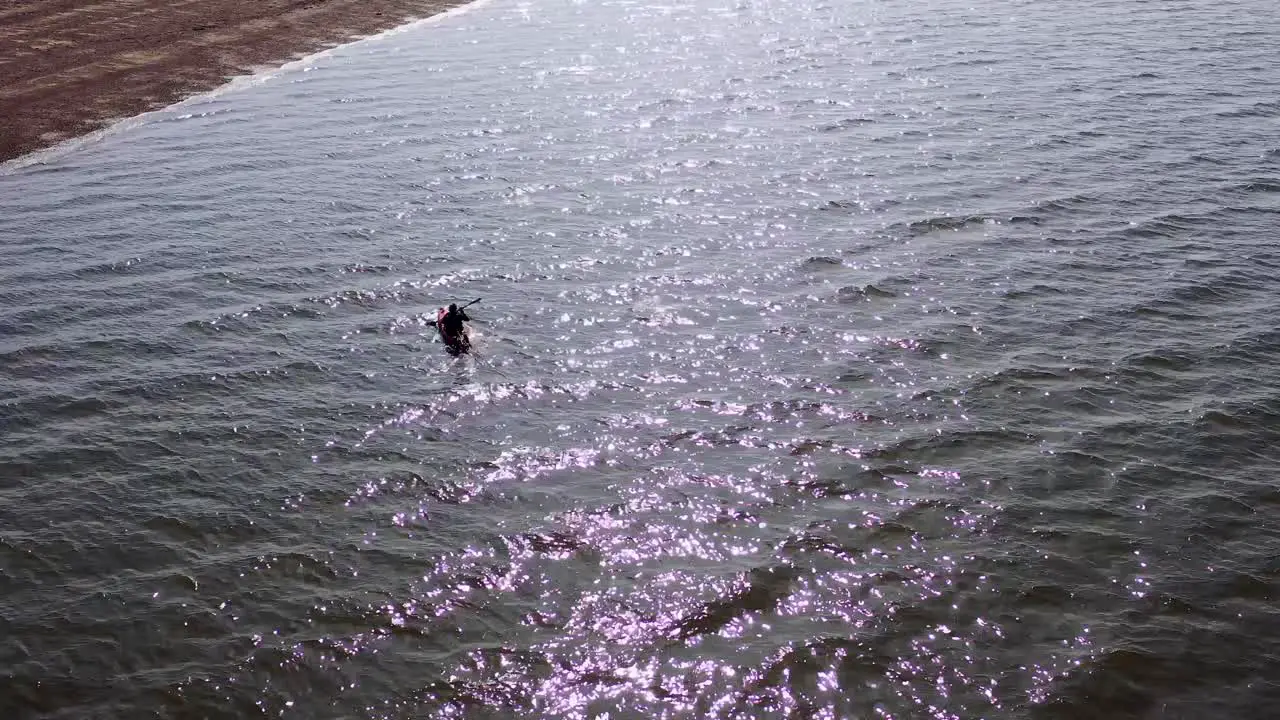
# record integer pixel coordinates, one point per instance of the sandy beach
(71, 66)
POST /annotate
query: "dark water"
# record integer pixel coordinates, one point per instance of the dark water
(870, 360)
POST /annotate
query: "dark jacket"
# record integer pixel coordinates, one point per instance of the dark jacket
(451, 323)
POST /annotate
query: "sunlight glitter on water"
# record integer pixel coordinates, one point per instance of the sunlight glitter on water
(833, 361)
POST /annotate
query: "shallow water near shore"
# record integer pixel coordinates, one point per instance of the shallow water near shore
(834, 360)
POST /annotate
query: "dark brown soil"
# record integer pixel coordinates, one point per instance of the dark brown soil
(68, 67)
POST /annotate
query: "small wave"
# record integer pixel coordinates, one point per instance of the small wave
(1203, 293)
(1217, 504)
(762, 590)
(1115, 684)
(1034, 291)
(34, 361)
(910, 344)
(978, 62)
(948, 222)
(1164, 226)
(1020, 379)
(1258, 186)
(42, 355)
(1070, 203)
(251, 319)
(559, 544)
(1049, 595)
(851, 294)
(1258, 109)
(1167, 309)
(118, 267)
(1235, 420)
(1163, 360)
(841, 205)
(936, 448)
(366, 268)
(1251, 347)
(823, 262)
(1245, 586)
(295, 566)
(846, 124)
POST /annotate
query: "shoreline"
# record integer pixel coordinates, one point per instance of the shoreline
(73, 67)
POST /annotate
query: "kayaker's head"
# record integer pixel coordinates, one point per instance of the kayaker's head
(453, 307)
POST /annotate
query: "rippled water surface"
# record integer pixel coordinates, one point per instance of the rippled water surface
(873, 359)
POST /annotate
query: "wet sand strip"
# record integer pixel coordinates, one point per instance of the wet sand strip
(68, 67)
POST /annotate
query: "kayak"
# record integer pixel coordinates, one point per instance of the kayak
(456, 344)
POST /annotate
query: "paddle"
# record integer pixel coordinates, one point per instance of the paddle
(473, 302)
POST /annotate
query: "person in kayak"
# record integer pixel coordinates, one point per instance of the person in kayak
(451, 323)
(452, 331)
